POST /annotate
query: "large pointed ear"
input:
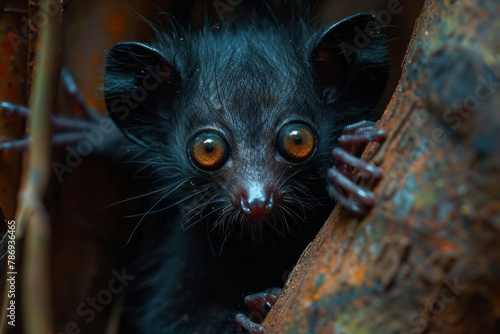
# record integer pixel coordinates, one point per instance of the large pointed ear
(139, 88)
(350, 61)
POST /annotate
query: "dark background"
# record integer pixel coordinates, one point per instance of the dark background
(93, 26)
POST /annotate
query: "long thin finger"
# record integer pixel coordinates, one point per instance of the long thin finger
(64, 124)
(342, 156)
(367, 197)
(14, 110)
(14, 145)
(347, 204)
(253, 328)
(352, 128)
(76, 95)
(61, 124)
(363, 137)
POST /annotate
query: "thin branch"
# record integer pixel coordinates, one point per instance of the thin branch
(32, 218)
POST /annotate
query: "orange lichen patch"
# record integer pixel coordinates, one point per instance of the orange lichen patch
(357, 274)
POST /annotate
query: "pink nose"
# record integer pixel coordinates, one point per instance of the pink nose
(257, 205)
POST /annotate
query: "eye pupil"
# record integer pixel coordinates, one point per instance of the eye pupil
(209, 146)
(298, 140)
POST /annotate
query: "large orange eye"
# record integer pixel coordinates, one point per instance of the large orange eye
(208, 151)
(297, 142)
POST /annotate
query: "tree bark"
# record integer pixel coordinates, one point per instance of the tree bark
(425, 260)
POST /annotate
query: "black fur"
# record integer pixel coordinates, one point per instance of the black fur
(245, 80)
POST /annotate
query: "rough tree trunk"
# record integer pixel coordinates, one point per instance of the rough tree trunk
(426, 259)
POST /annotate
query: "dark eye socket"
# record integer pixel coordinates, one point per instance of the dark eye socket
(297, 142)
(208, 151)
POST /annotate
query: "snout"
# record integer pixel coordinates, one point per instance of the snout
(256, 201)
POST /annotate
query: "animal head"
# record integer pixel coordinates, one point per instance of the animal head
(238, 121)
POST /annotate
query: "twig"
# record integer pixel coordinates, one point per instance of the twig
(32, 218)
